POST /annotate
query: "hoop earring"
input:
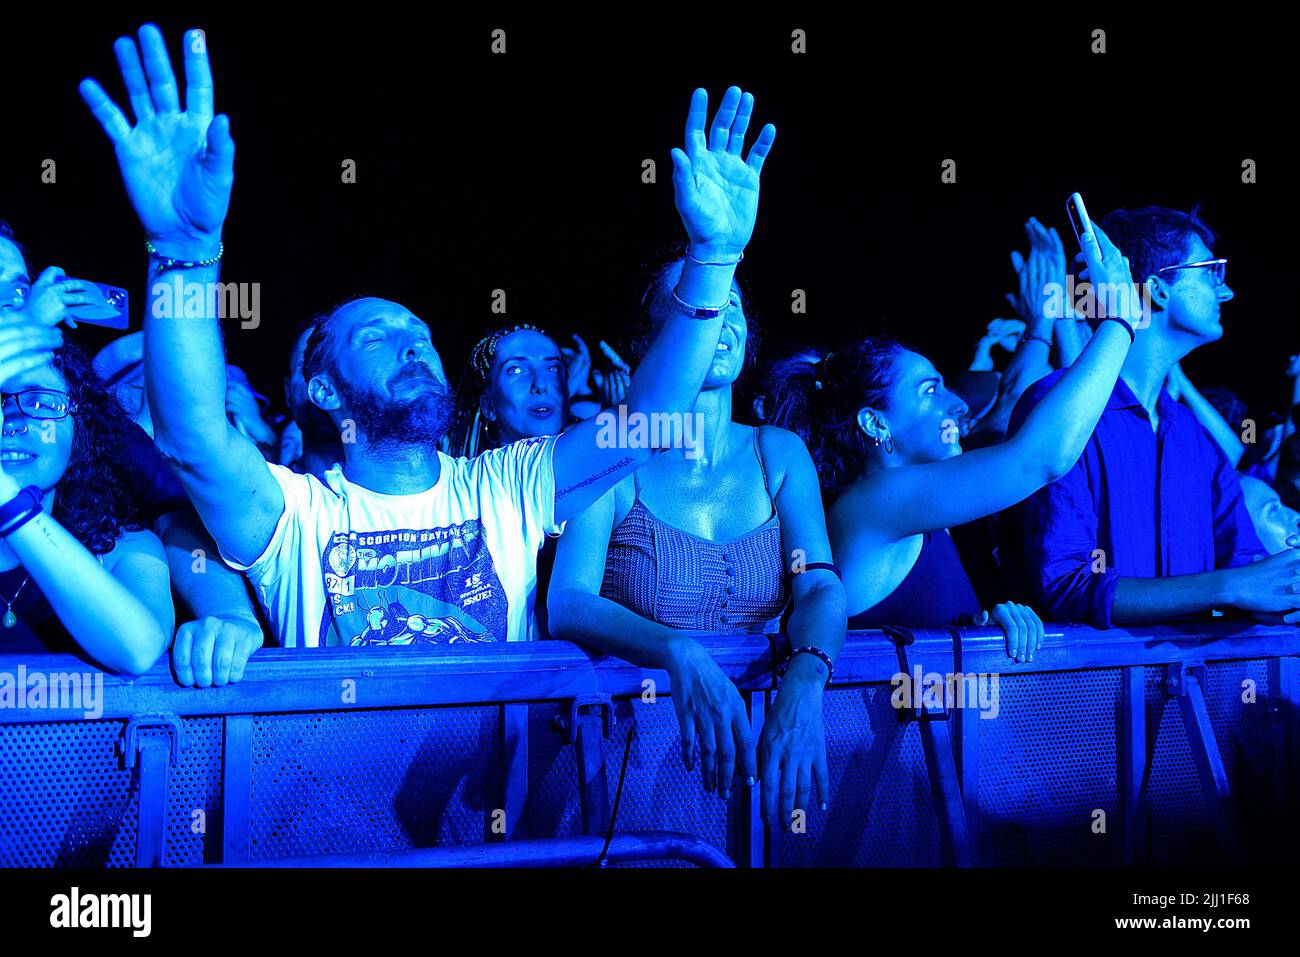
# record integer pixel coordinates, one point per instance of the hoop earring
(889, 443)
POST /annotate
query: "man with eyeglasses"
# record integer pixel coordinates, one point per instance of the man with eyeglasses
(1150, 524)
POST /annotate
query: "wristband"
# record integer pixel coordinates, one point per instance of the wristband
(699, 312)
(829, 566)
(1128, 326)
(167, 262)
(20, 509)
(705, 262)
(1030, 337)
(811, 650)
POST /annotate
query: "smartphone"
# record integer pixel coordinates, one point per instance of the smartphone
(1079, 220)
(110, 307)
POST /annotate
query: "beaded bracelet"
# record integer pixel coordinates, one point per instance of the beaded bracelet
(810, 650)
(167, 262)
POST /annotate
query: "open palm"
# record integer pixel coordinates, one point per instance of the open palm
(715, 187)
(178, 166)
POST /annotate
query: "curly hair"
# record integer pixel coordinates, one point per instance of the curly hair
(96, 502)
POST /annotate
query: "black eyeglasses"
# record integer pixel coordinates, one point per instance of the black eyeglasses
(1220, 267)
(41, 403)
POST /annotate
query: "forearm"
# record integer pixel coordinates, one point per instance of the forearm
(1220, 430)
(670, 374)
(206, 586)
(819, 619)
(1070, 339)
(1145, 600)
(607, 626)
(102, 615)
(1059, 427)
(185, 371)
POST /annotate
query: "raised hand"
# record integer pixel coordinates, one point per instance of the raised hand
(178, 165)
(579, 366)
(1044, 266)
(714, 187)
(1111, 277)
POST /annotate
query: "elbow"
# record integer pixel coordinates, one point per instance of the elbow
(1059, 466)
(139, 658)
(562, 612)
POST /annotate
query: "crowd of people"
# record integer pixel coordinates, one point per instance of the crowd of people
(1072, 473)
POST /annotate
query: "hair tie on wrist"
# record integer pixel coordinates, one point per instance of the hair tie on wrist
(705, 262)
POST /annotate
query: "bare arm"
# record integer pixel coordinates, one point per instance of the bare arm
(178, 169)
(715, 189)
(120, 611)
(902, 501)
(708, 706)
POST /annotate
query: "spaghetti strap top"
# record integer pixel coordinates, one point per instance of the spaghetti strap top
(936, 592)
(681, 580)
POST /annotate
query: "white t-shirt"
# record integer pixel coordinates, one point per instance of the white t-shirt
(456, 563)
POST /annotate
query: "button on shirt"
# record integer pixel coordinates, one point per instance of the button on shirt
(1139, 503)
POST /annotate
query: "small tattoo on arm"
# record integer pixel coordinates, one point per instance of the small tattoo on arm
(617, 466)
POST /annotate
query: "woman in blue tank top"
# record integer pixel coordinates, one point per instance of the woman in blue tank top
(703, 538)
(884, 432)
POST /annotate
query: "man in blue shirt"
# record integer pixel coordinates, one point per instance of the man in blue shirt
(1150, 524)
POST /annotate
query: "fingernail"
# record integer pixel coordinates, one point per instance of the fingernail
(825, 806)
(749, 781)
(726, 795)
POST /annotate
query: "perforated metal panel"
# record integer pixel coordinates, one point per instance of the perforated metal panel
(881, 814)
(1249, 741)
(1046, 764)
(194, 785)
(65, 798)
(379, 780)
(658, 794)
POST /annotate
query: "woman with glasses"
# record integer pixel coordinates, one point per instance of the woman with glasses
(77, 572)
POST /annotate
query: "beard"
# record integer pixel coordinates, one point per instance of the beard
(421, 420)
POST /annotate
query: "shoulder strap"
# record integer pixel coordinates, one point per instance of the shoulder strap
(758, 451)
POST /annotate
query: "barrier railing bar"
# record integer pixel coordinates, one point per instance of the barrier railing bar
(1132, 764)
(581, 851)
(514, 772)
(753, 833)
(236, 788)
(289, 680)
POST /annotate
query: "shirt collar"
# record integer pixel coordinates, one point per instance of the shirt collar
(1122, 397)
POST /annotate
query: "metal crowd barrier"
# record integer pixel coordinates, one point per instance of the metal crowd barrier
(1170, 744)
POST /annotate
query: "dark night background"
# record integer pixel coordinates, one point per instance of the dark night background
(523, 171)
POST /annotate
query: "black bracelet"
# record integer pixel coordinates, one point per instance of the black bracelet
(1132, 336)
(20, 509)
(810, 650)
(1030, 337)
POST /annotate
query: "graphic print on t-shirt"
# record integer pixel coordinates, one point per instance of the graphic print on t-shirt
(412, 586)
